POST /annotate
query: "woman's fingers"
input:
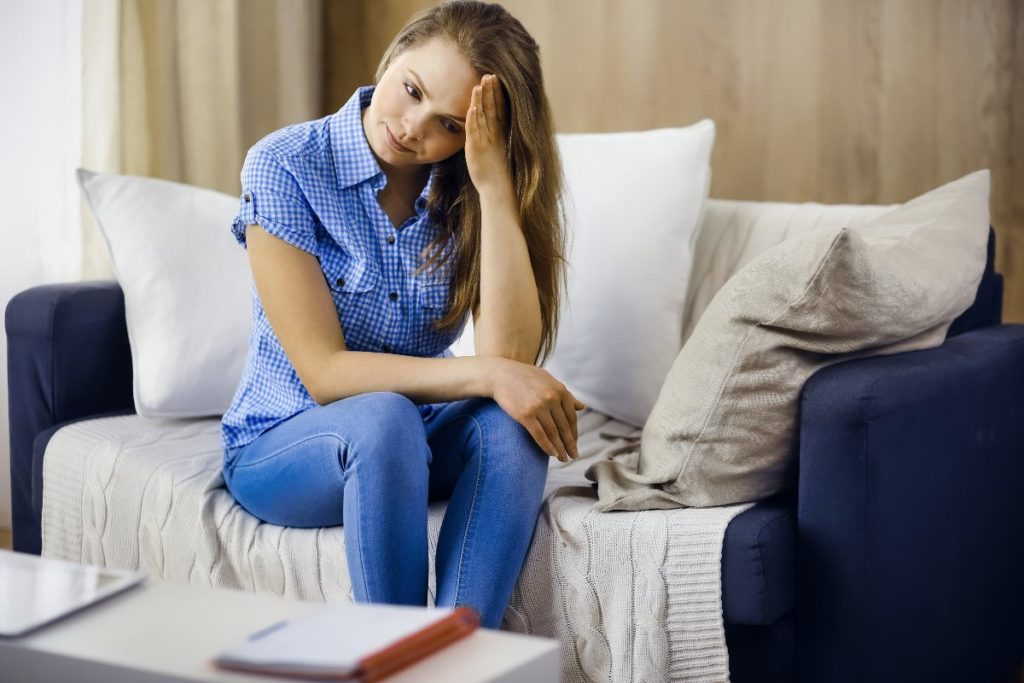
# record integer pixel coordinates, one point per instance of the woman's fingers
(481, 115)
(570, 414)
(492, 98)
(471, 116)
(566, 431)
(537, 431)
(499, 101)
(554, 435)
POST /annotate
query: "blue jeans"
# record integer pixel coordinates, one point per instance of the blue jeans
(373, 462)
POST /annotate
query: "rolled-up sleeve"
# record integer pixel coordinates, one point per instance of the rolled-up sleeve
(271, 198)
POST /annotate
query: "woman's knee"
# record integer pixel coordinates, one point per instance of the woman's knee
(372, 409)
(381, 425)
(504, 432)
(299, 485)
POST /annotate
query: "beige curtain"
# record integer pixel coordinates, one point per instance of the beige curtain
(180, 89)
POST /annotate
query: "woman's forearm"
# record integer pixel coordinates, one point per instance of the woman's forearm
(509, 322)
(424, 380)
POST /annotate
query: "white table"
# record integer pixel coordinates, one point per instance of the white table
(162, 631)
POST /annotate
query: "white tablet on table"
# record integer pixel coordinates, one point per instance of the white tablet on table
(35, 590)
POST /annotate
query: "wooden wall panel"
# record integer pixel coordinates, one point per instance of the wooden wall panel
(1011, 205)
(838, 101)
(345, 47)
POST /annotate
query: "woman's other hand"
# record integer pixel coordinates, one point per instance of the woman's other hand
(539, 402)
(486, 130)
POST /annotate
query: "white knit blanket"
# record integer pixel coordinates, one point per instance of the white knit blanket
(632, 596)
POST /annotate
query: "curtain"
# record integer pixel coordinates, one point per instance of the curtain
(174, 89)
(40, 77)
(180, 89)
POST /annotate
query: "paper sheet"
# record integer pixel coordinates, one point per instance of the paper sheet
(334, 637)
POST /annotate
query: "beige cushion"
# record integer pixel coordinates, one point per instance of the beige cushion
(721, 430)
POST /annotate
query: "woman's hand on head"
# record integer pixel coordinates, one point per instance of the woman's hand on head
(539, 402)
(486, 131)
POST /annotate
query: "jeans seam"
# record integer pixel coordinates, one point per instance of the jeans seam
(359, 544)
(291, 445)
(472, 507)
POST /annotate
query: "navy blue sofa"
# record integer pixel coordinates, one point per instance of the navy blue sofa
(897, 556)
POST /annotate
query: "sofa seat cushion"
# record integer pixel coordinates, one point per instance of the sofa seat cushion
(142, 492)
(758, 552)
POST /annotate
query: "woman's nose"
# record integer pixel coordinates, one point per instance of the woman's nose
(413, 126)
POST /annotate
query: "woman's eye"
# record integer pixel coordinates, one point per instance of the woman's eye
(448, 125)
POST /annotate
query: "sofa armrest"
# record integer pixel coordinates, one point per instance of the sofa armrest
(987, 308)
(67, 359)
(910, 514)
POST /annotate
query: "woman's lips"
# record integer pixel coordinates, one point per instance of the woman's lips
(395, 145)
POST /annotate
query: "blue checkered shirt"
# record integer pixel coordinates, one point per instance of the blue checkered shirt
(314, 185)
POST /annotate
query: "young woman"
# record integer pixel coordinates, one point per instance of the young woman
(372, 235)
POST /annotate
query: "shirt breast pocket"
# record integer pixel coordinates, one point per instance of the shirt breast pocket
(351, 276)
(354, 285)
(433, 296)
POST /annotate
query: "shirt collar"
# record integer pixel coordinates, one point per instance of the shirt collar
(354, 161)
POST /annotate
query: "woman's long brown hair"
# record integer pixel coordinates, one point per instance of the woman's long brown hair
(494, 42)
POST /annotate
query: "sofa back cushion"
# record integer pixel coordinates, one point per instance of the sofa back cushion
(733, 232)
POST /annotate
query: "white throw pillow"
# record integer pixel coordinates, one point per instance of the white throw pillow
(186, 289)
(635, 201)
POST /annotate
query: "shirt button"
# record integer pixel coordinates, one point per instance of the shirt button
(393, 296)
(248, 197)
(391, 239)
(387, 348)
(340, 282)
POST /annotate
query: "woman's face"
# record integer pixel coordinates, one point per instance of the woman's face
(421, 102)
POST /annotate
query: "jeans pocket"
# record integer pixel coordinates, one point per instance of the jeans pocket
(427, 410)
(230, 456)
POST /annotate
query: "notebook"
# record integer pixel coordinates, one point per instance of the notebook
(350, 641)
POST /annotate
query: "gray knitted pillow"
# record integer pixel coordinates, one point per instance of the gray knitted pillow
(721, 430)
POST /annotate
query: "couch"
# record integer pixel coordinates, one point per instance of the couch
(896, 555)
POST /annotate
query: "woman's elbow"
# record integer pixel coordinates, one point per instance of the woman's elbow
(315, 392)
(319, 373)
(313, 381)
(522, 354)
